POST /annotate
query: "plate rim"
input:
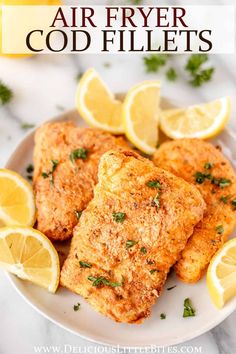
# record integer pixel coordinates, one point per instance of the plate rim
(13, 280)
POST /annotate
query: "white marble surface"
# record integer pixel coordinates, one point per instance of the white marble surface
(43, 85)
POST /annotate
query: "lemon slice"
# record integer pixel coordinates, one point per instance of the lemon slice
(221, 274)
(30, 255)
(198, 121)
(17, 206)
(97, 105)
(141, 111)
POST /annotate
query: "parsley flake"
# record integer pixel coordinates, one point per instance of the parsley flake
(152, 271)
(143, 250)
(103, 281)
(154, 184)
(78, 214)
(171, 287)
(162, 316)
(30, 168)
(119, 217)
(78, 154)
(220, 229)
(77, 307)
(225, 199)
(188, 309)
(130, 243)
(26, 125)
(208, 165)
(85, 264)
(50, 173)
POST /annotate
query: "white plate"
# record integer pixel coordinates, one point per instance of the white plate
(91, 325)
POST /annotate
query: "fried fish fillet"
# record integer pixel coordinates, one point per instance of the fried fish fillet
(66, 160)
(130, 235)
(200, 163)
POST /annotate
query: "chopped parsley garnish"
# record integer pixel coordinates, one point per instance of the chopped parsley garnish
(29, 177)
(118, 217)
(220, 229)
(103, 281)
(153, 62)
(171, 287)
(152, 271)
(78, 154)
(77, 307)
(188, 309)
(50, 173)
(143, 250)
(225, 199)
(30, 168)
(130, 243)
(78, 214)
(208, 165)
(233, 202)
(221, 182)
(199, 177)
(26, 125)
(162, 316)
(154, 184)
(171, 74)
(85, 264)
(5, 94)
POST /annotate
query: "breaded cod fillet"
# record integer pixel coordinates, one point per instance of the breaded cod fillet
(66, 160)
(200, 163)
(130, 235)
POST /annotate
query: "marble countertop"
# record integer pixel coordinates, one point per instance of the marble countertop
(43, 87)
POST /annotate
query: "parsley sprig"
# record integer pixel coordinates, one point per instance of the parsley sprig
(154, 62)
(198, 76)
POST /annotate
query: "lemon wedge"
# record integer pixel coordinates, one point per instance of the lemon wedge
(17, 206)
(141, 111)
(30, 255)
(199, 121)
(221, 274)
(97, 105)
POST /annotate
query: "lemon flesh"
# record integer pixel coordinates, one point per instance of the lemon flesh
(97, 105)
(199, 121)
(17, 206)
(30, 255)
(141, 112)
(221, 274)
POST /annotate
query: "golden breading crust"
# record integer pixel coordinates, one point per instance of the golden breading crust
(69, 189)
(137, 248)
(185, 158)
